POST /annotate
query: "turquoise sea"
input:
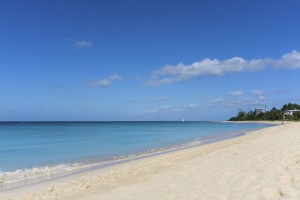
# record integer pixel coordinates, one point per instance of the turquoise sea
(34, 148)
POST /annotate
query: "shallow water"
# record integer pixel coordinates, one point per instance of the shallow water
(36, 148)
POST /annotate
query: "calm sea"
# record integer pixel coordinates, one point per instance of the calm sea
(35, 147)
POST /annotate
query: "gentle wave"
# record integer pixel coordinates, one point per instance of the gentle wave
(49, 172)
(37, 174)
(27, 173)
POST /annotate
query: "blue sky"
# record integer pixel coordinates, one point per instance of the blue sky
(146, 60)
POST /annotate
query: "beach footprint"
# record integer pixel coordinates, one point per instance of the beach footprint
(288, 178)
(272, 193)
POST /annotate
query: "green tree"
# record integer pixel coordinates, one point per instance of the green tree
(250, 115)
(241, 116)
(274, 114)
(290, 106)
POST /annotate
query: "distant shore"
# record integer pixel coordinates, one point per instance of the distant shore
(261, 122)
(264, 122)
(263, 164)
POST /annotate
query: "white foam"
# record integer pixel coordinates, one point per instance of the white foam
(27, 173)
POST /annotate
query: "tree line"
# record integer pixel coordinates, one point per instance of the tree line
(273, 114)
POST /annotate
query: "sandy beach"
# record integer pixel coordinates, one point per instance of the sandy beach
(263, 164)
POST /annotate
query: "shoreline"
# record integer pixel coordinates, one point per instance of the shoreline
(40, 174)
(261, 122)
(81, 168)
(100, 182)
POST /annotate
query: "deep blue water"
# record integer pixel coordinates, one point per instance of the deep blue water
(32, 144)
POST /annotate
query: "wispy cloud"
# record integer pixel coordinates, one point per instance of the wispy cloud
(165, 81)
(104, 82)
(160, 99)
(161, 109)
(115, 77)
(191, 106)
(236, 93)
(169, 74)
(257, 92)
(169, 109)
(99, 83)
(83, 44)
(257, 98)
(154, 100)
(134, 101)
(262, 97)
(238, 102)
(282, 91)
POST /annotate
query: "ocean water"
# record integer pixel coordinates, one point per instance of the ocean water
(36, 148)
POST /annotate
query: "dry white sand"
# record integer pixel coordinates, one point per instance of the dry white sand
(263, 164)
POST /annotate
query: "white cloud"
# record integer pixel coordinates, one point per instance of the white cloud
(191, 106)
(83, 44)
(238, 102)
(162, 109)
(104, 82)
(261, 97)
(236, 93)
(160, 99)
(169, 74)
(207, 67)
(169, 109)
(100, 83)
(115, 77)
(258, 98)
(290, 61)
(153, 100)
(280, 91)
(134, 101)
(165, 81)
(257, 92)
